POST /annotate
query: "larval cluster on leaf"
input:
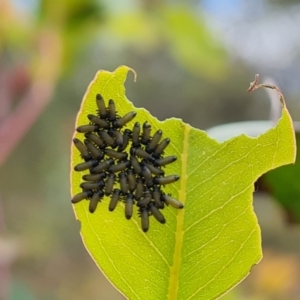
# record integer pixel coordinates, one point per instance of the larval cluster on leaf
(126, 165)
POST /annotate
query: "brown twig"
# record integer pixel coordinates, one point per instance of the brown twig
(254, 85)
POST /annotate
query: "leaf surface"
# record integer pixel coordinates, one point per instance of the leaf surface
(209, 246)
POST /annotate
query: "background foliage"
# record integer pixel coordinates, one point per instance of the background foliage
(198, 71)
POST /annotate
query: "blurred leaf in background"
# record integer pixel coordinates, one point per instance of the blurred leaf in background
(283, 185)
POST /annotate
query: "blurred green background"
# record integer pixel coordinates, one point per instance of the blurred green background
(194, 61)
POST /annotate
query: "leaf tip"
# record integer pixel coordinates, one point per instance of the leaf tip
(126, 68)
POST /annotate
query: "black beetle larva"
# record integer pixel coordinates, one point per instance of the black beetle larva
(139, 189)
(106, 138)
(129, 206)
(114, 199)
(135, 165)
(146, 133)
(100, 122)
(147, 176)
(164, 161)
(94, 177)
(124, 120)
(171, 201)
(155, 140)
(111, 110)
(82, 149)
(81, 196)
(86, 165)
(123, 183)
(126, 137)
(131, 180)
(136, 134)
(161, 147)
(141, 153)
(102, 166)
(101, 106)
(154, 170)
(95, 139)
(95, 200)
(92, 185)
(109, 184)
(166, 180)
(156, 213)
(115, 154)
(96, 153)
(156, 197)
(119, 167)
(144, 219)
(146, 199)
(119, 138)
(87, 128)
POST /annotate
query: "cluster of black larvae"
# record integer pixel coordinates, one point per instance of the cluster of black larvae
(124, 164)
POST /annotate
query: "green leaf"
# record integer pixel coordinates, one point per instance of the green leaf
(209, 246)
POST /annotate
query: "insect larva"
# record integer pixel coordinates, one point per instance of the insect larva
(87, 128)
(154, 170)
(109, 184)
(146, 199)
(104, 165)
(156, 197)
(123, 183)
(94, 177)
(136, 165)
(86, 165)
(100, 122)
(95, 139)
(164, 161)
(114, 199)
(155, 140)
(129, 206)
(111, 110)
(82, 149)
(136, 134)
(106, 138)
(118, 137)
(161, 147)
(131, 180)
(156, 213)
(96, 153)
(139, 189)
(116, 154)
(166, 180)
(119, 167)
(141, 153)
(124, 120)
(95, 200)
(144, 218)
(80, 196)
(171, 201)
(146, 133)
(147, 176)
(101, 106)
(126, 137)
(92, 185)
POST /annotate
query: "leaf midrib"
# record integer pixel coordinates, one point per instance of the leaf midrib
(174, 269)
